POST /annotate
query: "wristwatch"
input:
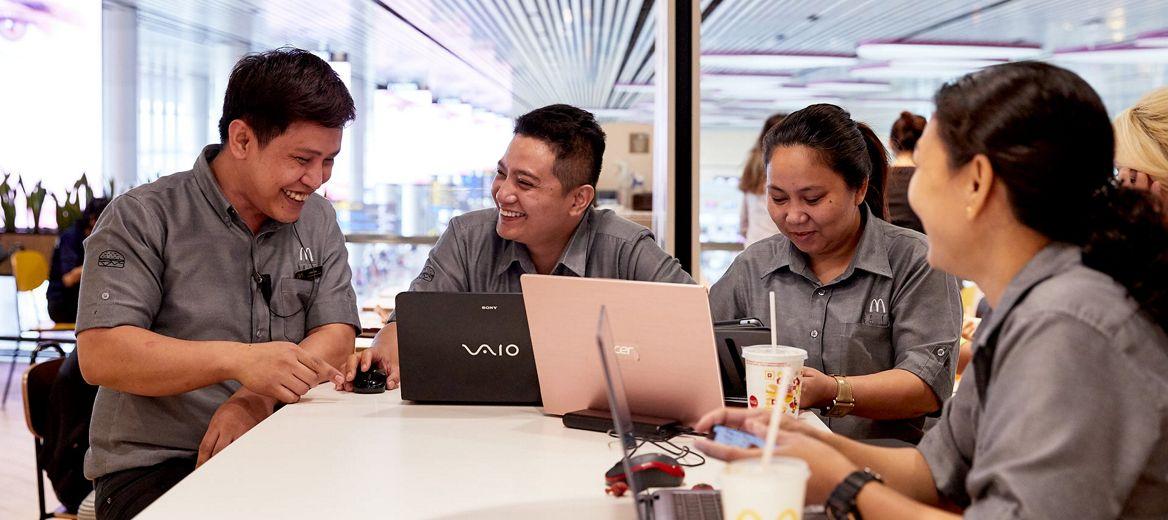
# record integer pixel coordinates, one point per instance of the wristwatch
(841, 504)
(843, 402)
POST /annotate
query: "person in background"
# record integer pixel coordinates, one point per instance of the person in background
(1062, 413)
(854, 291)
(543, 222)
(65, 268)
(755, 221)
(906, 131)
(1141, 146)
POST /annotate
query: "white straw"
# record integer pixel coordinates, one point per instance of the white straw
(774, 326)
(772, 433)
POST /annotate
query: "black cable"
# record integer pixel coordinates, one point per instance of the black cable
(680, 453)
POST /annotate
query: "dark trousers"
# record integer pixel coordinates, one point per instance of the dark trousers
(123, 494)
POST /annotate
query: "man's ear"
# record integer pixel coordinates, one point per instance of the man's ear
(582, 197)
(241, 139)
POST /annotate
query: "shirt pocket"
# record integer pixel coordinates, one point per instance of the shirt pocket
(869, 347)
(290, 308)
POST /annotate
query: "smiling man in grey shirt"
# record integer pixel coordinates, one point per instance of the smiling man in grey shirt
(211, 294)
(544, 222)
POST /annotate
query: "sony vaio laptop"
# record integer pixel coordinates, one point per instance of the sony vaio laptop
(664, 345)
(665, 504)
(465, 348)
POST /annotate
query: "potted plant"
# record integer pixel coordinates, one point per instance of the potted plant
(8, 204)
(69, 211)
(35, 202)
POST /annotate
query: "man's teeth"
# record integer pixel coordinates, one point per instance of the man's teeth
(298, 197)
(507, 213)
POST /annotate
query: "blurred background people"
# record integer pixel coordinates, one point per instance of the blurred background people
(756, 223)
(65, 269)
(906, 131)
(1141, 146)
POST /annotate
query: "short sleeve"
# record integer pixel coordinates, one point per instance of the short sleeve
(121, 281)
(926, 326)
(445, 269)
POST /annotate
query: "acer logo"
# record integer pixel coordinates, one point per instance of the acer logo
(627, 351)
(489, 307)
(485, 349)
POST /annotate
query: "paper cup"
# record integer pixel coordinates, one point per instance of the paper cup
(751, 491)
(765, 365)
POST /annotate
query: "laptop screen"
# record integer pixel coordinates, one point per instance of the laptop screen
(618, 403)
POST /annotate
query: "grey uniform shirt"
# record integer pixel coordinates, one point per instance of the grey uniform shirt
(887, 310)
(173, 257)
(471, 256)
(1063, 412)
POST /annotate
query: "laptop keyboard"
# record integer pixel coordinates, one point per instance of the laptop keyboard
(697, 506)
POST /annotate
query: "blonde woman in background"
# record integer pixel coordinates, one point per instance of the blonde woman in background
(756, 223)
(1141, 146)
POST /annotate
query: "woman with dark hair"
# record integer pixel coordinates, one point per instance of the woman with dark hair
(906, 131)
(756, 223)
(857, 293)
(1063, 414)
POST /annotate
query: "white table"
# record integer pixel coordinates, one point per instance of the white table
(346, 455)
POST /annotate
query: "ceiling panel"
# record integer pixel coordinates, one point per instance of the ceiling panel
(513, 55)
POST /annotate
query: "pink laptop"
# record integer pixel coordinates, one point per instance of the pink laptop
(664, 345)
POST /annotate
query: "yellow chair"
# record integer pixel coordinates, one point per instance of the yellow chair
(31, 270)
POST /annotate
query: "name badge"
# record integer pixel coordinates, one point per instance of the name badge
(311, 273)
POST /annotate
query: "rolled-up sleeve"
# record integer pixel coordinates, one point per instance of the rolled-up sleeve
(927, 326)
(121, 281)
(336, 302)
(445, 269)
(948, 446)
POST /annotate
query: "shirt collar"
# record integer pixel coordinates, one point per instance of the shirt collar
(1056, 257)
(574, 259)
(205, 178)
(209, 185)
(871, 252)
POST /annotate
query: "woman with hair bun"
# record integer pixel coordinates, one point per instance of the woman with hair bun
(906, 131)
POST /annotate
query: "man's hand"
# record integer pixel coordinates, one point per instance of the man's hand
(283, 370)
(234, 417)
(377, 354)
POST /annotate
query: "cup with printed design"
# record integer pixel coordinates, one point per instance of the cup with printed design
(752, 490)
(765, 366)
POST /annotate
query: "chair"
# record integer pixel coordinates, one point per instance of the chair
(31, 270)
(36, 385)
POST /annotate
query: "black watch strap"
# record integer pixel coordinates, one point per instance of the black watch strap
(842, 502)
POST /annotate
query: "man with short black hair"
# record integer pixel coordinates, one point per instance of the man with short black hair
(210, 295)
(544, 222)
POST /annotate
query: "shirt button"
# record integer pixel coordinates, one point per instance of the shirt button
(815, 333)
(940, 351)
(105, 296)
(821, 292)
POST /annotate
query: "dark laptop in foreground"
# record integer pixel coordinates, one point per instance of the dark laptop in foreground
(471, 348)
(666, 504)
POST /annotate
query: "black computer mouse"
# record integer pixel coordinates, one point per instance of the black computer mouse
(650, 470)
(369, 382)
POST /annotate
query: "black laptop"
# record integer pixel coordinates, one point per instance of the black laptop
(465, 348)
(731, 336)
